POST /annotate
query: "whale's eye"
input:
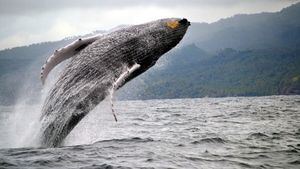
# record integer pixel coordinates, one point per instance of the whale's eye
(173, 24)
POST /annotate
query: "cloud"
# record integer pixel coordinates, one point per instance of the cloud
(31, 21)
(60, 24)
(24, 7)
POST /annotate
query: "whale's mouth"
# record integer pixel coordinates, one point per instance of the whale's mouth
(184, 22)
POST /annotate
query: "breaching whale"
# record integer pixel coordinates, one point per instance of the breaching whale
(97, 65)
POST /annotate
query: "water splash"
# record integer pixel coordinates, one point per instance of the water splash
(22, 124)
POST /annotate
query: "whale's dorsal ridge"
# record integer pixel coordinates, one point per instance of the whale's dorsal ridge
(65, 53)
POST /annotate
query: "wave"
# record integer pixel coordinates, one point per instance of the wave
(132, 139)
(6, 163)
(104, 166)
(138, 119)
(257, 135)
(239, 163)
(209, 140)
(295, 162)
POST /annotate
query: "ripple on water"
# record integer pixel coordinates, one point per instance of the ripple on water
(133, 139)
(104, 166)
(6, 163)
(210, 140)
(257, 135)
(184, 133)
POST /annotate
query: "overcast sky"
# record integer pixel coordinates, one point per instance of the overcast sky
(30, 21)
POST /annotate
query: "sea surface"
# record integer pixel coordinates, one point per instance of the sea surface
(235, 132)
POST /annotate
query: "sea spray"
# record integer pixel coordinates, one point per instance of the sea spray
(94, 126)
(22, 124)
(88, 131)
(53, 121)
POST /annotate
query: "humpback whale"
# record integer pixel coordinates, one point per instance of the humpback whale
(99, 65)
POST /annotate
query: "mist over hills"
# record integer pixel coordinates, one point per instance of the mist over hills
(244, 55)
(254, 31)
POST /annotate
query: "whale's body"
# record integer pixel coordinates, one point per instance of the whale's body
(94, 68)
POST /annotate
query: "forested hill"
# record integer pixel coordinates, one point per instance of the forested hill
(244, 55)
(249, 31)
(190, 72)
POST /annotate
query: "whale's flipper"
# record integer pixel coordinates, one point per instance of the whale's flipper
(65, 53)
(119, 83)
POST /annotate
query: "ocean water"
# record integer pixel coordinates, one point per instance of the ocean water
(236, 132)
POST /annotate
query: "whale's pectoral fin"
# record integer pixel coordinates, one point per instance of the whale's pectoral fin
(65, 53)
(118, 83)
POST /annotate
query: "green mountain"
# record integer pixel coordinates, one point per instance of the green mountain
(254, 31)
(190, 72)
(20, 69)
(244, 55)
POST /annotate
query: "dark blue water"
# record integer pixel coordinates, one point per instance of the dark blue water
(255, 132)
